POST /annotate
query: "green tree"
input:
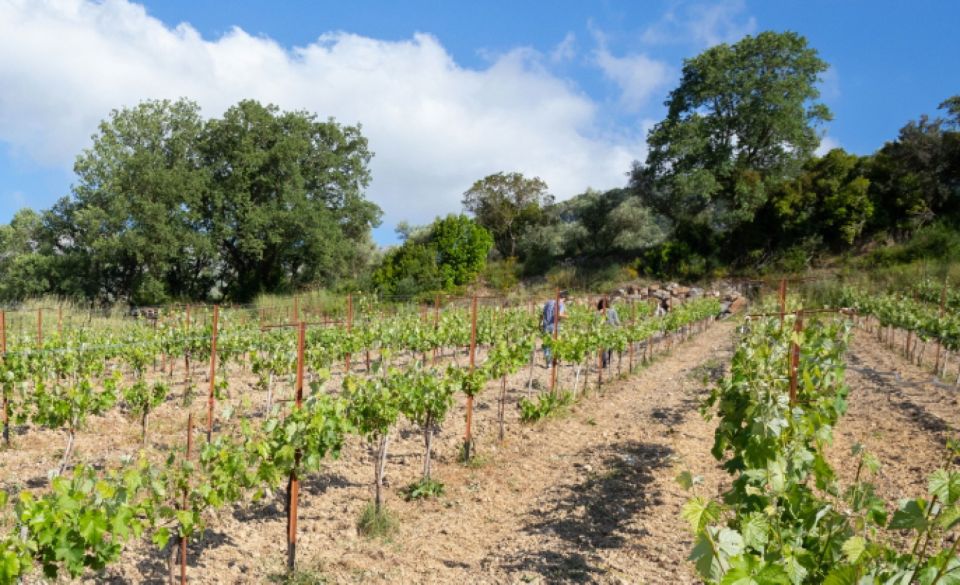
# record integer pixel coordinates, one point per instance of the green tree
(131, 229)
(506, 204)
(448, 253)
(594, 224)
(407, 270)
(286, 205)
(742, 119)
(915, 179)
(829, 199)
(168, 205)
(462, 247)
(25, 264)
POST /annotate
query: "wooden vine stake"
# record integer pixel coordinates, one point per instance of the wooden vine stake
(3, 355)
(782, 297)
(213, 371)
(40, 327)
(183, 539)
(502, 404)
(556, 332)
(349, 328)
(186, 354)
(943, 302)
(633, 320)
(468, 436)
(436, 323)
(293, 486)
(795, 358)
(603, 321)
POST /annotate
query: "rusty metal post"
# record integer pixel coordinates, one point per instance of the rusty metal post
(293, 486)
(59, 320)
(943, 302)
(186, 353)
(436, 323)
(301, 346)
(183, 539)
(40, 327)
(782, 294)
(603, 323)
(3, 354)
(502, 404)
(213, 371)
(795, 358)
(556, 331)
(468, 435)
(349, 327)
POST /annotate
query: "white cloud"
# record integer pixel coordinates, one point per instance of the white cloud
(702, 24)
(434, 125)
(565, 50)
(830, 84)
(826, 145)
(637, 76)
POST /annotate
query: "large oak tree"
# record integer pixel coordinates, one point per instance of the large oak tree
(743, 118)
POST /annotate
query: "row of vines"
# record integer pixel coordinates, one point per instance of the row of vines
(786, 517)
(320, 383)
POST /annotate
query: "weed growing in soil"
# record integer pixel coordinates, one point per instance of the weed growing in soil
(423, 489)
(475, 462)
(374, 524)
(550, 404)
(710, 371)
(299, 577)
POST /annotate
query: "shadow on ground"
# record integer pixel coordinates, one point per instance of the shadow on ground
(592, 514)
(890, 383)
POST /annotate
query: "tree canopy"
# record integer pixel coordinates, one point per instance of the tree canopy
(506, 204)
(742, 119)
(169, 205)
(450, 253)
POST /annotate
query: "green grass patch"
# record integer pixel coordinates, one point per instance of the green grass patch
(374, 524)
(423, 489)
(300, 576)
(546, 405)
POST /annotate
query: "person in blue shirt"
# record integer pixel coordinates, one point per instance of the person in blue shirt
(551, 318)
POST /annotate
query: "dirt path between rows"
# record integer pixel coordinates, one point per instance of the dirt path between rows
(900, 413)
(587, 497)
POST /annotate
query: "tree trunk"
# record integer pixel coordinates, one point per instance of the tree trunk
(381, 462)
(6, 420)
(427, 448)
(502, 404)
(576, 380)
(143, 427)
(172, 557)
(71, 437)
(269, 395)
(533, 359)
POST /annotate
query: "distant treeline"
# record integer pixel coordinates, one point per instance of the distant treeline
(170, 206)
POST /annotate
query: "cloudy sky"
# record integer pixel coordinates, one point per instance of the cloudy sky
(447, 91)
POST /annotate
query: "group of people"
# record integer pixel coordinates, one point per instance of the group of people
(554, 312)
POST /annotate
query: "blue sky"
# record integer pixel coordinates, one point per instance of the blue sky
(447, 91)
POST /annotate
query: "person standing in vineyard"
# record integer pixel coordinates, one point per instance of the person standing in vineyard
(608, 313)
(550, 319)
